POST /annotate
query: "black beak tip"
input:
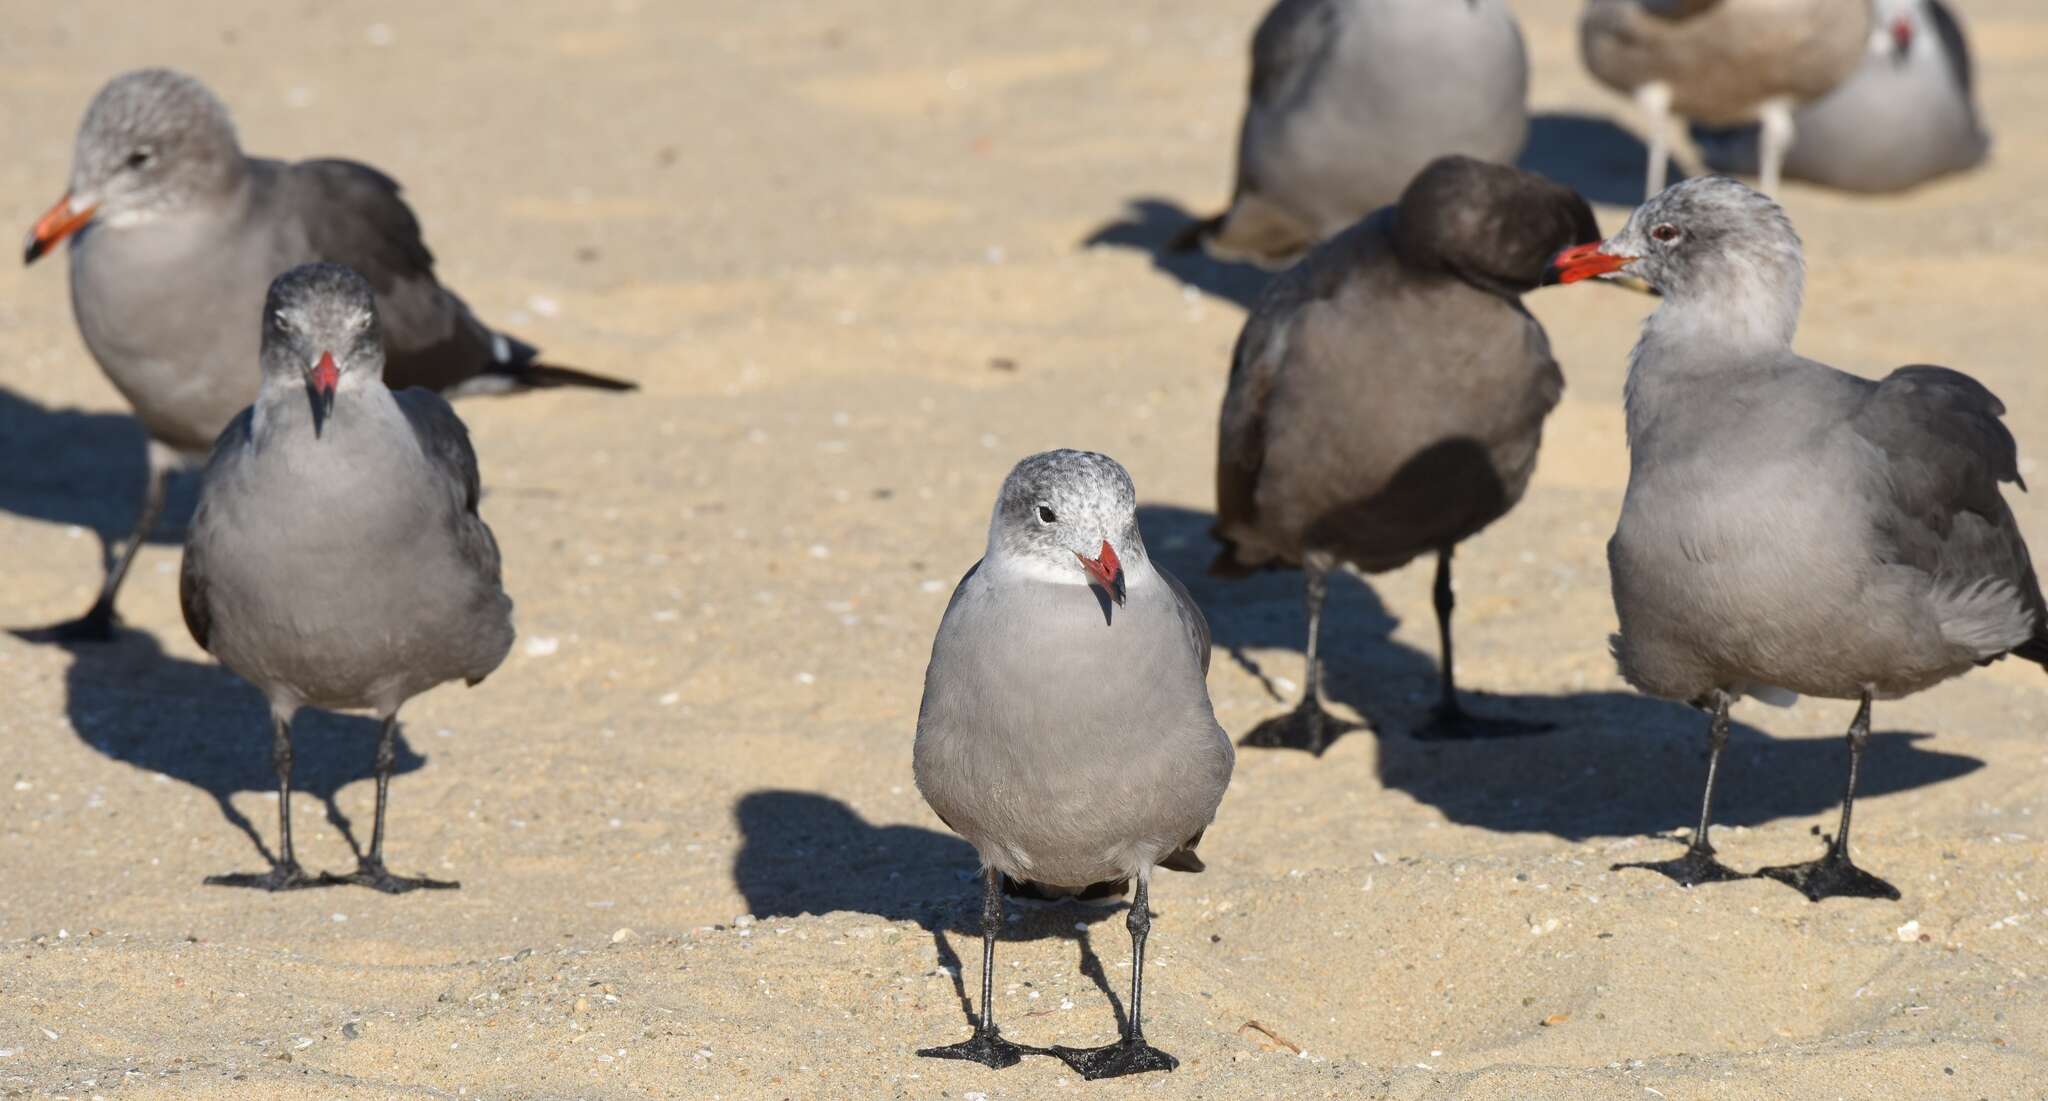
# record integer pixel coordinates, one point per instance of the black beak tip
(1116, 591)
(33, 252)
(1552, 276)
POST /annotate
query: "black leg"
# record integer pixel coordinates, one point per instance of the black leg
(1833, 874)
(370, 871)
(985, 1046)
(1449, 719)
(1698, 865)
(1308, 726)
(1130, 1054)
(285, 874)
(97, 624)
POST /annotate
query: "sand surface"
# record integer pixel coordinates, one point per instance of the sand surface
(844, 247)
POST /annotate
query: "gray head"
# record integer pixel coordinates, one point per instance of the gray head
(1724, 257)
(153, 142)
(320, 330)
(1069, 514)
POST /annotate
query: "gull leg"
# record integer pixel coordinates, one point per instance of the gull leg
(1450, 719)
(286, 874)
(370, 871)
(986, 1046)
(1774, 140)
(97, 624)
(1698, 864)
(1654, 100)
(1833, 874)
(1308, 726)
(1130, 1054)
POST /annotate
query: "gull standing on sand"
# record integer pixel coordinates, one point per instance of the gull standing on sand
(1387, 397)
(337, 559)
(177, 237)
(1906, 117)
(1723, 62)
(1349, 100)
(1066, 730)
(1789, 528)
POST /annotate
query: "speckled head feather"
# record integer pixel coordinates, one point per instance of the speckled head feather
(1724, 256)
(316, 308)
(152, 141)
(1058, 504)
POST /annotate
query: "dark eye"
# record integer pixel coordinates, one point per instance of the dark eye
(138, 158)
(1045, 516)
(1666, 233)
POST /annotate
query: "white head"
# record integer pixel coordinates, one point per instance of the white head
(1069, 517)
(153, 142)
(1725, 258)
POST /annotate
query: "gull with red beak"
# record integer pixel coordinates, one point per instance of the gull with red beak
(1790, 529)
(1386, 401)
(1066, 729)
(1906, 116)
(337, 559)
(175, 235)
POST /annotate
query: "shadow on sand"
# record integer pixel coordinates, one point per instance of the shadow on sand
(1588, 153)
(1616, 763)
(805, 853)
(204, 726)
(66, 466)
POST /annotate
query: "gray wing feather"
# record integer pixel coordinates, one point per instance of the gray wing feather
(1947, 452)
(352, 214)
(1191, 618)
(193, 595)
(1289, 46)
(445, 441)
(1953, 45)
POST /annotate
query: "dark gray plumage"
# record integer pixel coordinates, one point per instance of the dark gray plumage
(1349, 99)
(1789, 527)
(337, 559)
(1387, 395)
(1066, 729)
(178, 236)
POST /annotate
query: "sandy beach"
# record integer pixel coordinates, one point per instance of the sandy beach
(861, 258)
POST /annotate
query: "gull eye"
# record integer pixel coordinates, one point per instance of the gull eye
(139, 158)
(1666, 233)
(1045, 516)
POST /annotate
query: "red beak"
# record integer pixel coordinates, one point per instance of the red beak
(57, 223)
(1105, 571)
(1902, 34)
(1582, 262)
(325, 374)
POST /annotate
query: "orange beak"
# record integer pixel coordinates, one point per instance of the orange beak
(1583, 262)
(57, 223)
(320, 383)
(1105, 571)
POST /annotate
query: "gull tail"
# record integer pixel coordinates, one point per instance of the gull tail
(547, 376)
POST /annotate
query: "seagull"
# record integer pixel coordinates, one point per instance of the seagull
(1349, 100)
(1905, 117)
(1066, 730)
(1387, 397)
(175, 237)
(1723, 62)
(1790, 528)
(336, 559)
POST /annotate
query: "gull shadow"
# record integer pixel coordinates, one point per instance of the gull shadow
(69, 466)
(200, 724)
(1591, 155)
(806, 853)
(1616, 764)
(1149, 224)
